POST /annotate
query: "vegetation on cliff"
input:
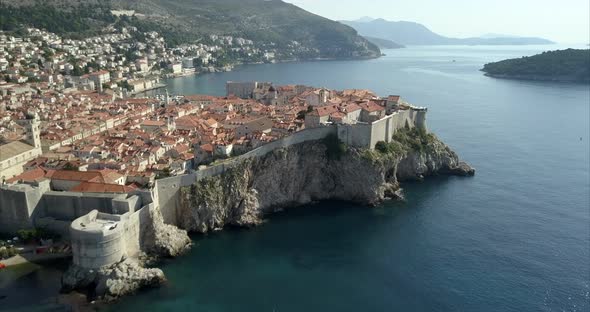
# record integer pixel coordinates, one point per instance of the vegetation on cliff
(294, 33)
(78, 21)
(560, 65)
(335, 149)
(403, 141)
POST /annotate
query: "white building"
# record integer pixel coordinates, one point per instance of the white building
(16, 154)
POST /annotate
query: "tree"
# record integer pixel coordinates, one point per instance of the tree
(77, 71)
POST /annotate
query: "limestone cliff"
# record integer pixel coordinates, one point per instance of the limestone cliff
(163, 240)
(312, 171)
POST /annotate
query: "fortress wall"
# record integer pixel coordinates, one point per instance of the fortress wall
(367, 135)
(355, 135)
(167, 194)
(123, 204)
(70, 205)
(96, 248)
(55, 226)
(135, 224)
(167, 191)
(19, 205)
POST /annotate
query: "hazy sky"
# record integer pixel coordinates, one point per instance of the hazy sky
(564, 21)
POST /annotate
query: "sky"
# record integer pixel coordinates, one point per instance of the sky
(563, 21)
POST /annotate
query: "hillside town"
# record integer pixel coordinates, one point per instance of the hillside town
(121, 62)
(78, 109)
(129, 142)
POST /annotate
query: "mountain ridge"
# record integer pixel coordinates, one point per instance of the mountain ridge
(412, 33)
(384, 43)
(292, 31)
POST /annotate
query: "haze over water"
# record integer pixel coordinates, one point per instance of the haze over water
(515, 237)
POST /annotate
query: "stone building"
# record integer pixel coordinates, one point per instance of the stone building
(17, 153)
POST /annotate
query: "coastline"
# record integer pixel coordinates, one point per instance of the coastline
(287, 61)
(537, 78)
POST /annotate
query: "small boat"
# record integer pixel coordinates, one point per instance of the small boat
(2, 266)
(2, 297)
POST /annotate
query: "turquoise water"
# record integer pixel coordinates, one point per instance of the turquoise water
(514, 238)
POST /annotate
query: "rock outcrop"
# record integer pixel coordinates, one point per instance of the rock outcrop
(308, 172)
(163, 240)
(110, 283)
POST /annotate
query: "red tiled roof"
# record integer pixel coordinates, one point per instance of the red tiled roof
(372, 107)
(89, 187)
(85, 176)
(36, 174)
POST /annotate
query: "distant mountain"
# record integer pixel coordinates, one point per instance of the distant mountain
(493, 35)
(365, 19)
(384, 43)
(563, 65)
(268, 23)
(410, 33)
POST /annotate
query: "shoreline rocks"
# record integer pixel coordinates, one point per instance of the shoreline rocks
(112, 282)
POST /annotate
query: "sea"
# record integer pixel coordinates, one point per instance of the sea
(516, 237)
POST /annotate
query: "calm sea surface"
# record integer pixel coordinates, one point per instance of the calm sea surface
(516, 237)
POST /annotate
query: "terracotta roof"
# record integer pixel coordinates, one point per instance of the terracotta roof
(372, 107)
(85, 176)
(153, 123)
(89, 187)
(33, 175)
(326, 110)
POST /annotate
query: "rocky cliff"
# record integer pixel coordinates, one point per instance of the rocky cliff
(313, 171)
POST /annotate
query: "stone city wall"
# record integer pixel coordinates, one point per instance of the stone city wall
(18, 205)
(101, 246)
(101, 239)
(368, 134)
(166, 191)
(24, 206)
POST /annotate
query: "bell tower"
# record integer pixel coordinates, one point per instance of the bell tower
(33, 133)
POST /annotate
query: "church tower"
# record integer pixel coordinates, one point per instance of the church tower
(31, 125)
(167, 99)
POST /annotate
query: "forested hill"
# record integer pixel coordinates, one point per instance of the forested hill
(562, 65)
(294, 32)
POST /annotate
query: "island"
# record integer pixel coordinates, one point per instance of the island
(569, 65)
(240, 157)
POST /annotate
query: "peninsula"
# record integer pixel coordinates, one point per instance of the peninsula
(569, 65)
(258, 149)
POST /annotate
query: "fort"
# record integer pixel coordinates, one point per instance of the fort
(105, 228)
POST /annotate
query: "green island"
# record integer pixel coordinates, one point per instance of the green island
(569, 65)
